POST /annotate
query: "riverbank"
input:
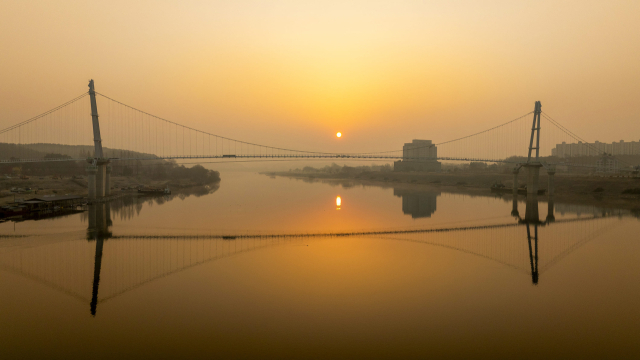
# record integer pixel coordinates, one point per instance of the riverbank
(606, 192)
(40, 186)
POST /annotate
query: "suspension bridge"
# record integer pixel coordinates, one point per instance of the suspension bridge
(124, 133)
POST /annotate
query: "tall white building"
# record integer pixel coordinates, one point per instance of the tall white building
(418, 155)
(419, 150)
(565, 150)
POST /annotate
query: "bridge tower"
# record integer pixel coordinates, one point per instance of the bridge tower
(534, 164)
(99, 171)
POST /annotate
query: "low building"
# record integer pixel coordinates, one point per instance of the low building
(43, 204)
(48, 202)
(607, 164)
(418, 155)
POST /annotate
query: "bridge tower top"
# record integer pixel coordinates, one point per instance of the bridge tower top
(535, 131)
(97, 140)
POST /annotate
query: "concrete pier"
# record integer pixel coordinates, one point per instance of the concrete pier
(551, 172)
(514, 208)
(533, 178)
(91, 215)
(515, 183)
(551, 190)
(92, 171)
(101, 180)
(107, 180)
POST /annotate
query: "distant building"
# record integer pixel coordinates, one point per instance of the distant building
(607, 164)
(418, 155)
(565, 150)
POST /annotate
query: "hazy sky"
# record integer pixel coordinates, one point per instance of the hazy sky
(292, 73)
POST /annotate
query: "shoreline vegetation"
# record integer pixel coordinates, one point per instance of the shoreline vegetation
(75, 185)
(578, 189)
(69, 177)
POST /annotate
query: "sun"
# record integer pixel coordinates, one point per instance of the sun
(339, 134)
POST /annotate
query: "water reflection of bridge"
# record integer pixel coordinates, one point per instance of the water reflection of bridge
(128, 207)
(117, 264)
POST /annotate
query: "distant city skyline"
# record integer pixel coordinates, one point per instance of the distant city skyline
(596, 148)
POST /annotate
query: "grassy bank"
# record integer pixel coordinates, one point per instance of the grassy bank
(46, 185)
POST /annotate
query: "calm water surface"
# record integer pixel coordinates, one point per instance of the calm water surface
(186, 277)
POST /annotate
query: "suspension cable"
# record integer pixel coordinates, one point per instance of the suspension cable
(43, 114)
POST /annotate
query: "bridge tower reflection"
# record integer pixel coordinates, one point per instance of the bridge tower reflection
(532, 222)
(533, 254)
(98, 231)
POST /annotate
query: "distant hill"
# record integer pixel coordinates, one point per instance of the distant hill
(152, 169)
(39, 151)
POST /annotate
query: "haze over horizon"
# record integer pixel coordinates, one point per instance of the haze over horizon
(292, 73)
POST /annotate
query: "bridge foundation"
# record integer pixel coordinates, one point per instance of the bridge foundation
(107, 180)
(514, 208)
(533, 178)
(551, 172)
(515, 182)
(92, 171)
(99, 183)
(101, 180)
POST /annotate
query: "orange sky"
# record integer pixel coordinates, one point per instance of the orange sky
(292, 73)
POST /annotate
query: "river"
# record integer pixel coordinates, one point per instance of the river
(264, 267)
